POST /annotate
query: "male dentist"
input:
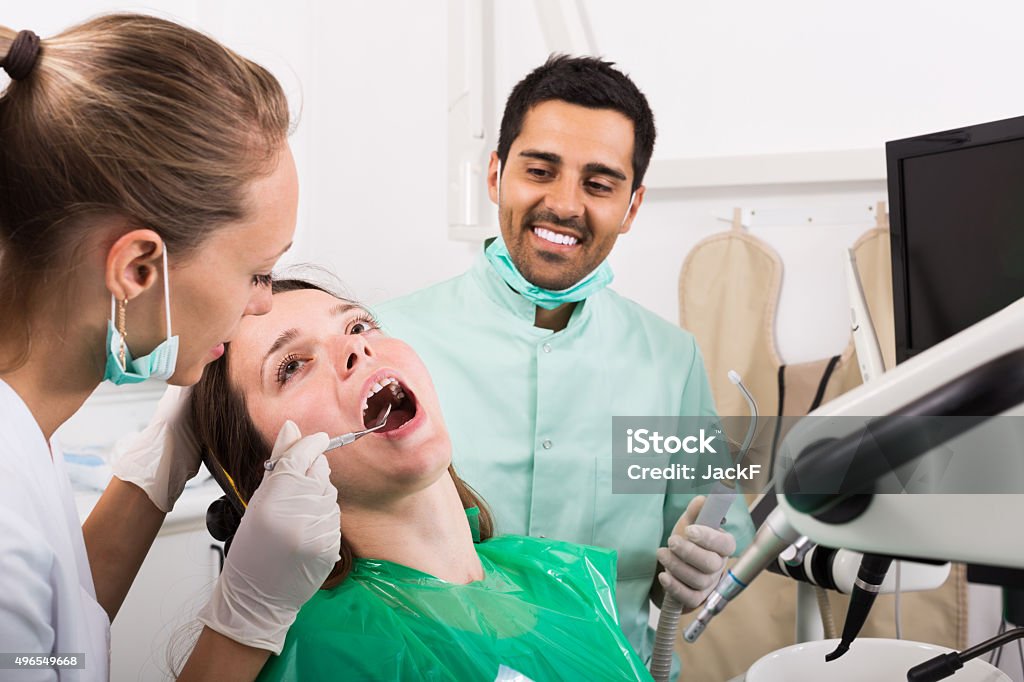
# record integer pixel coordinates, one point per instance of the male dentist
(532, 354)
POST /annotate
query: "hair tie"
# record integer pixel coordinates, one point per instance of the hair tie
(222, 520)
(22, 55)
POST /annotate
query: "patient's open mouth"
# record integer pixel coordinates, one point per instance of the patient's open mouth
(389, 391)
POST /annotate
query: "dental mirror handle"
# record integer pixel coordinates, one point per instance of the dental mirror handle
(345, 438)
(349, 438)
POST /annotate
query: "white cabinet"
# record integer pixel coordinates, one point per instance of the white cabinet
(157, 621)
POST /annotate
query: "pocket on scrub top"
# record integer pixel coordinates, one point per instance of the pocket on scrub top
(629, 523)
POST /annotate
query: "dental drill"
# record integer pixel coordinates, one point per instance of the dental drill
(713, 514)
(345, 438)
(774, 536)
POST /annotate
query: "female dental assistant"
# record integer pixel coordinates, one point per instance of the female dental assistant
(146, 191)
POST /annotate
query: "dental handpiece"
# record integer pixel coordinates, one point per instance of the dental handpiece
(774, 535)
(345, 438)
(712, 514)
(768, 543)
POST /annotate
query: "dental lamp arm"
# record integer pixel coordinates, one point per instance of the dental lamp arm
(865, 456)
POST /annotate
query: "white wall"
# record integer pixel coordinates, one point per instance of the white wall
(746, 77)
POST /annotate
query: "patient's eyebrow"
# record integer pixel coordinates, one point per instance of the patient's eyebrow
(343, 308)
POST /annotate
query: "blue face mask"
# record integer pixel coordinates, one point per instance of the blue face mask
(158, 364)
(501, 260)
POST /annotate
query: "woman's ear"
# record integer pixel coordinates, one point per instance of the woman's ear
(133, 262)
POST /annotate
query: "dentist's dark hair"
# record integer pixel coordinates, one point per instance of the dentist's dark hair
(234, 451)
(587, 82)
(126, 120)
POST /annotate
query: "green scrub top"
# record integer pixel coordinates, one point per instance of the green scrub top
(544, 609)
(530, 415)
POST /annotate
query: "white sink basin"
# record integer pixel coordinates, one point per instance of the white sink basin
(867, 659)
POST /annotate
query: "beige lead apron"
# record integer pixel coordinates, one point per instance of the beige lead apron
(728, 297)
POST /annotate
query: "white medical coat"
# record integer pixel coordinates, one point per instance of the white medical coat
(47, 598)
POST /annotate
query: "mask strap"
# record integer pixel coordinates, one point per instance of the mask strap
(167, 294)
(499, 183)
(628, 208)
(167, 299)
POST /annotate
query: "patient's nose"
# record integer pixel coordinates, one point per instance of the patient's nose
(354, 350)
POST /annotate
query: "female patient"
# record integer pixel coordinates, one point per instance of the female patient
(421, 591)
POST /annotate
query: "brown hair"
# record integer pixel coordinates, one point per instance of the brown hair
(231, 445)
(126, 116)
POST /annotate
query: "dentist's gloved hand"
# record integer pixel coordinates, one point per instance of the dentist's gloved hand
(286, 545)
(694, 558)
(161, 458)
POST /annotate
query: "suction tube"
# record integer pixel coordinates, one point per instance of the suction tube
(869, 582)
(713, 515)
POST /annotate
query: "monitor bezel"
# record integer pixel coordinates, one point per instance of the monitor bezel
(898, 151)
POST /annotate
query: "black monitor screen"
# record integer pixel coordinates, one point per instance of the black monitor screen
(960, 228)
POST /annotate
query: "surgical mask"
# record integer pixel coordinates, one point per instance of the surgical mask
(501, 260)
(158, 364)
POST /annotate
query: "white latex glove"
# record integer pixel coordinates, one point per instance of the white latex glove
(694, 558)
(286, 545)
(161, 458)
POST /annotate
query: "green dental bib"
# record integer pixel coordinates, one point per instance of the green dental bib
(545, 609)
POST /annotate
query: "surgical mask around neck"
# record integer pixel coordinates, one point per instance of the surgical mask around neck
(501, 260)
(157, 364)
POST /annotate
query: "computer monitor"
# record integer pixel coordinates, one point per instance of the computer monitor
(956, 213)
